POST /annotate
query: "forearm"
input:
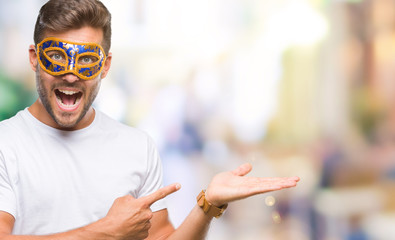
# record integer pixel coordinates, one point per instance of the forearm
(194, 227)
(94, 231)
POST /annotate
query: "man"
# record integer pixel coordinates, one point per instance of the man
(68, 171)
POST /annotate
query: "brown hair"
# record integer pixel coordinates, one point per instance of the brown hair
(64, 15)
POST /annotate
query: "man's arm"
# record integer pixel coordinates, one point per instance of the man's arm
(195, 226)
(7, 223)
(224, 188)
(127, 219)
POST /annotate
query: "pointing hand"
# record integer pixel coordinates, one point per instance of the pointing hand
(129, 218)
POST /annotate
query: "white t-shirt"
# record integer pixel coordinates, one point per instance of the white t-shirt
(53, 181)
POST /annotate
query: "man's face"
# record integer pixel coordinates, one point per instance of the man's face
(67, 98)
(67, 102)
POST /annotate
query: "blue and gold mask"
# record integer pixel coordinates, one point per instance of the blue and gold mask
(58, 57)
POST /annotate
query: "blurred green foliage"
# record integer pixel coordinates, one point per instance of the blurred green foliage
(13, 96)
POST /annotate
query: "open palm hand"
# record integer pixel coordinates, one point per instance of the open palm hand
(235, 185)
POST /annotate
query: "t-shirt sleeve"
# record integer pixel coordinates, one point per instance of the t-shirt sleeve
(7, 196)
(154, 176)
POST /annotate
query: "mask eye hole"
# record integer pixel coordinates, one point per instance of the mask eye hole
(56, 56)
(87, 59)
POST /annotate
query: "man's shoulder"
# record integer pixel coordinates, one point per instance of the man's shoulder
(11, 124)
(12, 128)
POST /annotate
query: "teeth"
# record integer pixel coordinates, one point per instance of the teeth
(67, 92)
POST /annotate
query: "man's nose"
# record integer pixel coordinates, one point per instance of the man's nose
(69, 77)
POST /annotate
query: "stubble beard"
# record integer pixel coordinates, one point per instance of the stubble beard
(64, 120)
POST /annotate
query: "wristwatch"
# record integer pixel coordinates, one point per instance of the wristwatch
(208, 208)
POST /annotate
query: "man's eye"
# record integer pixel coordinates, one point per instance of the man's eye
(87, 60)
(56, 56)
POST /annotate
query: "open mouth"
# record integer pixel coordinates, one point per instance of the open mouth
(68, 100)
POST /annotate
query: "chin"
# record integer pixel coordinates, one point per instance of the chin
(67, 120)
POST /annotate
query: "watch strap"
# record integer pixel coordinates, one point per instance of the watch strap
(208, 208)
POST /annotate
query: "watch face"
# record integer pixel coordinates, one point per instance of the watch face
(200, 199)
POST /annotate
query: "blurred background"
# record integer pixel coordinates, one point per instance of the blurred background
(295, 87)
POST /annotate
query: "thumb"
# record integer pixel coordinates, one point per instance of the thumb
(242, 169)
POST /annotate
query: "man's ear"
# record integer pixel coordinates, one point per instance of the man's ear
(106, 66)
(33, 58)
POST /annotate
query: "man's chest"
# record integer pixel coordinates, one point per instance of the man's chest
(65, 181)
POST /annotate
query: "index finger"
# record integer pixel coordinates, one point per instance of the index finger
(160, 194)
